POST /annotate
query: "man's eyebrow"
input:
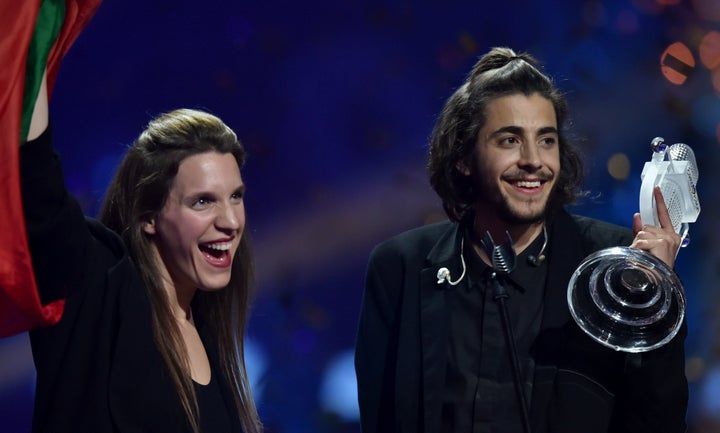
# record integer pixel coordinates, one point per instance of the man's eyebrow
(513, 129)
(548, 130)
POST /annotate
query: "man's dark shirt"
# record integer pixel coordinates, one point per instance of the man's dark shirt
(479, 392)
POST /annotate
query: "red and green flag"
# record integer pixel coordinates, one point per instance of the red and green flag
(36, 35)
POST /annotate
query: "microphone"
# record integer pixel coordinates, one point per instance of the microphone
(683, 152)
(537, 260)
(443, 274)
(675, 170)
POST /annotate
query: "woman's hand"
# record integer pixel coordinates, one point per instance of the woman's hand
(39, 120)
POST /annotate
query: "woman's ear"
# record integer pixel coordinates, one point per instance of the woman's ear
(149, 227)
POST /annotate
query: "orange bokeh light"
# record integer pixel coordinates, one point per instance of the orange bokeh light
(619, 166)
(676, 63)
(710, 50)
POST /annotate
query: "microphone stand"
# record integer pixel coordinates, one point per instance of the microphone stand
(503, 262)
(500, 295)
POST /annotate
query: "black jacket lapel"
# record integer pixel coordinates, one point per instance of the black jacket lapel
(434, 320)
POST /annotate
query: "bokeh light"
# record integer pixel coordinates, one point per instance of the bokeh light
(619, 166)
(709, 50)
(338, 390)
(256, 364)
(711, 393)
(676, 63)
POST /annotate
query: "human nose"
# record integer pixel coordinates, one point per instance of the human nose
(229, 217)
(530, 156)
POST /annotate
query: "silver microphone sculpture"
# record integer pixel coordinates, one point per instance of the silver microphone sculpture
(626, 298)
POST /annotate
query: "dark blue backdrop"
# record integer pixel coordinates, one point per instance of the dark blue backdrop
(335, 101)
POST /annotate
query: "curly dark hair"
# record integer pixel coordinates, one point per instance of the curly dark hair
(500, 72)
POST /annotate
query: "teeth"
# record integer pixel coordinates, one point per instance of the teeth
(222, 246)
(528, 184)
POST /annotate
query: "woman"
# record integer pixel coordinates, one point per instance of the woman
(156, 293)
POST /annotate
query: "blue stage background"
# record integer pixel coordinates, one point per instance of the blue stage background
(335, 101)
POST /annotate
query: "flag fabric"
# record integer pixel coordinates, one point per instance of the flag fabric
(36, 34)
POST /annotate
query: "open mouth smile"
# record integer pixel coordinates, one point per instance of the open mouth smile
(527, 185)
(217, 253)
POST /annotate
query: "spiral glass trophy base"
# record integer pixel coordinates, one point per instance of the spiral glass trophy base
(626, 299)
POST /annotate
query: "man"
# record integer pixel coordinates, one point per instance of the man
(431, 352)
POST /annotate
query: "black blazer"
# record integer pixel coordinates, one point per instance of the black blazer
(98, 369)
(579, 385)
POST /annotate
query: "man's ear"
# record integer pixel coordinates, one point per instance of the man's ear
(462, 167)
(149, 227)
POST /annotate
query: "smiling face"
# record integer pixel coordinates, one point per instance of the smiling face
(198, 230)
(516, 160)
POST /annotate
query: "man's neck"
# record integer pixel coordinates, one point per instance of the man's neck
(522, 235)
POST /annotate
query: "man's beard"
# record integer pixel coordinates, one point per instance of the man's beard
(490, 198)
(509, 215)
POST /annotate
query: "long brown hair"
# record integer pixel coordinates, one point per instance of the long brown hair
(500, 72)
(136, 195)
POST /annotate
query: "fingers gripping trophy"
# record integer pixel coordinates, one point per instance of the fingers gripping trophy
(624, 297)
